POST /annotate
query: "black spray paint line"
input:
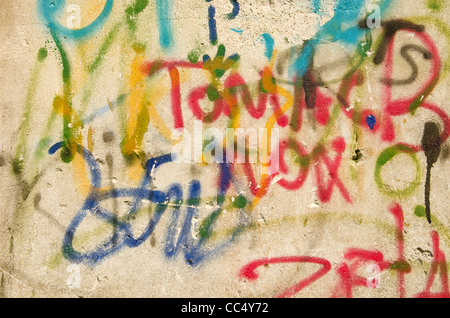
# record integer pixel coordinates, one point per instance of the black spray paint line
(390, 29)
(431, 144)
(445, 152)
(2, 286)
(108, 138)
(309, 85)
(414, 68)
(36, 203)
(110, 163)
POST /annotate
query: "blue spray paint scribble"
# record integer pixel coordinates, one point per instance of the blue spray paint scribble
(194, 249)
(51, 10)
(212, 25)
(103, 110)
(234, 13)
(371, 121)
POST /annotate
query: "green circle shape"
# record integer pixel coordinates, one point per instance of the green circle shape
(240, 202)
(419, 210)
(387, 155)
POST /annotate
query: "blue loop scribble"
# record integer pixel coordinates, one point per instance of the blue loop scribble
(234, 13)
(194, 249)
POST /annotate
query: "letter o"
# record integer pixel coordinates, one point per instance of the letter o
(303, 163)
(387, 155)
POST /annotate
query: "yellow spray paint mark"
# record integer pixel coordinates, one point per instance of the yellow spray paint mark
(235, 115)
(83, 184)
(80, 175)
(90, 13)
(135, 104)
(155, 93)
(90, 140)
(270, 87)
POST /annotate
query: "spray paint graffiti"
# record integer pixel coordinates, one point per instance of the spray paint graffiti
(317, 96)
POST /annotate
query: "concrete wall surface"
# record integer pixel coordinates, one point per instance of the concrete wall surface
(224, 148)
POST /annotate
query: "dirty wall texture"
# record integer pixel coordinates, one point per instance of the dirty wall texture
(242, 148)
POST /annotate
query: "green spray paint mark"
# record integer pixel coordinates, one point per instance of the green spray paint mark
(105, 47)
(133, 11)
(386, 156)
(90, 85)
(45, 138)
(130, 18)
(205, 227)
(402, 266)
(443, 28)
(421, 98)
(21, 151)
(212, 93)
(419, 210)
(240, 202)
(67, 153)
(42, 54)
(320, 217)
(435, 5)
(194, 54)
(64, 58)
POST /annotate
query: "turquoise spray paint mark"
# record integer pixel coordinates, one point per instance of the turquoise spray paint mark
(346, 12)
(237, 30)
(51, 10)
(316, 7)
(269, 42)
(164, 13)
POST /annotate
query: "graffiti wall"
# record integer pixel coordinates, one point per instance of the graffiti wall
(214, 148)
